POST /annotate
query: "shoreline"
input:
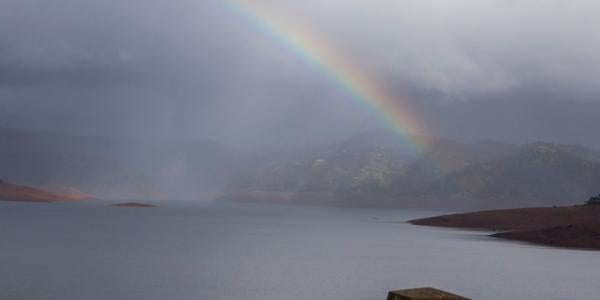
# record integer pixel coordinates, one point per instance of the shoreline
(27, 194)
(572, 227)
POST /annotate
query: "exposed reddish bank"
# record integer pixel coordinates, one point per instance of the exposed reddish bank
(20, 193)
(572, 226)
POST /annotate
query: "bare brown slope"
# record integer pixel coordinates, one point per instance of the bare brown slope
(13, 192)
(571, 227)
(517, 219)
(570, 236)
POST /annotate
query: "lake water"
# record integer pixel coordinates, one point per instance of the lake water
(267, 252)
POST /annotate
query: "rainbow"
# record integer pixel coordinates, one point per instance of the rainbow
(318, 52)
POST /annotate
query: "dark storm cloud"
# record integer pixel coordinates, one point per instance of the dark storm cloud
(99, 40)
(187, 69)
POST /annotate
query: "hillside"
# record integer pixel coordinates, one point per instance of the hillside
(104, 167)
(537, 174)
(517, 219)
(366, 162)
(567, 226)
(20, 193)
(377, 167)
(115, 168)
(374, 168)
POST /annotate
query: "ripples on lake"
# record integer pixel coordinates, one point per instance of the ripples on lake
(245, 251)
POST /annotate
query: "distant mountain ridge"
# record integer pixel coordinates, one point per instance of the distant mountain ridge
(538, 173)
(113, 168)
(92, 164)
(374, 168)
(449, 174)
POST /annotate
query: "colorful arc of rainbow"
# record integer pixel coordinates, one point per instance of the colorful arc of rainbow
(315, 50)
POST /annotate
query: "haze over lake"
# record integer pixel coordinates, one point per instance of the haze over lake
(246, 251)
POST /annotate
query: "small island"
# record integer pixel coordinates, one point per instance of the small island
(133, 205)
(561, 226)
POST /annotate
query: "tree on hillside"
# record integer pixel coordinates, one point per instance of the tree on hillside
(594, 200)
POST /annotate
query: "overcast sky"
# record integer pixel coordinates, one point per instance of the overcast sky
(175, 70)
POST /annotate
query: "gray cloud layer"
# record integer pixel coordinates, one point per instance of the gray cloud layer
(187, 69)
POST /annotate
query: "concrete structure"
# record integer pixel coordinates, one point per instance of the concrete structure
(427, 293)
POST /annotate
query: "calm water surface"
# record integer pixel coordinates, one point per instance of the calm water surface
(245, 251)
